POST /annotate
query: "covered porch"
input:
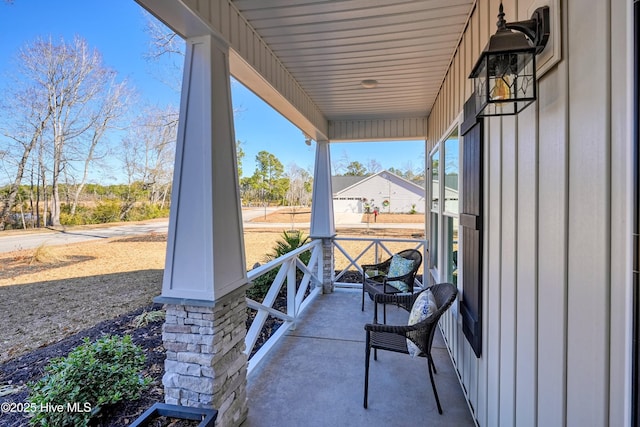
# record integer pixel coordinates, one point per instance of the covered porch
(348, 87)
(314, 376)
(543, 332)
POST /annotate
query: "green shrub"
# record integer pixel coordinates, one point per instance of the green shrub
(147, 211)
(290, 241)
(93, 374)
(146, 317)
(260, 286)
(107, 211)
(81, 216)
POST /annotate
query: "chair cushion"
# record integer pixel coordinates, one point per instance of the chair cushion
(424, 306)
(399, 267)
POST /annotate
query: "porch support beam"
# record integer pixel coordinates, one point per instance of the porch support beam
(205, 198)
(205, 270)
(322, 224)
(322, 221)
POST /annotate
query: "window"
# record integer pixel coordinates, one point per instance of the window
(451, 172)
(435, 173)
(444, 221)
(451, 250)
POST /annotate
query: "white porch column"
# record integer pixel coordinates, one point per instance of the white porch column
(205, 270)
(322, 221)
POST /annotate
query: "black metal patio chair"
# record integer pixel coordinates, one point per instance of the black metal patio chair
(394, 337)
(376, 279)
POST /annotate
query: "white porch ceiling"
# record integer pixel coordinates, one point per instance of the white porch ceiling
(329, 47)
(326, 48)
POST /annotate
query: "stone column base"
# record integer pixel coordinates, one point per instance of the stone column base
(328, 264)
(205, 364)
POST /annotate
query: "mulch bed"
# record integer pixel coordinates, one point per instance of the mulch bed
(19, 371)
(30, 367)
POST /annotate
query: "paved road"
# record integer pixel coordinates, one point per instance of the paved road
(13, 241)
(29, 240)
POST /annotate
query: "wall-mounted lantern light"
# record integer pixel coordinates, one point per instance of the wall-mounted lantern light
(505, 74)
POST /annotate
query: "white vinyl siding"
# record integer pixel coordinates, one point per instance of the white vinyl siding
(556, 266)
(402, 196)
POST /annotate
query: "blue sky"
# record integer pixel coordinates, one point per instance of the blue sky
(116, 29)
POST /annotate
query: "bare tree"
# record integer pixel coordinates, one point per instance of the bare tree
(163, 40)
(27, 116)
(160, 144)
(168, 47)
(373, 166)
(112, 108)
(131, 156)
(73, 82)
(300, 183)
(148, 153)
(340, 165)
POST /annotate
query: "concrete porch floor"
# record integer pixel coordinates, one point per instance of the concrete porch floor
(315, 375)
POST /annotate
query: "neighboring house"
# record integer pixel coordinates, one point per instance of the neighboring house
(384, 190)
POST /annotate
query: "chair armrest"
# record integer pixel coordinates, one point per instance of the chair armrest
(403, 300)
(394, 329)
(381, 272)
(378, 277)
(379, 266)
(369, 266)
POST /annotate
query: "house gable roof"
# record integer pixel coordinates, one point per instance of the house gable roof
(339, 183)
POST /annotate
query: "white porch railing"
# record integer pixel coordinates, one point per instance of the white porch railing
(369, 251)
(375, 250)
(297, 300)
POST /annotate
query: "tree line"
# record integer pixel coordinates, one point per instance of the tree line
(271, 184)
(345, 167)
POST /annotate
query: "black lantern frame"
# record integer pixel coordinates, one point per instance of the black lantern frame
(505, 74)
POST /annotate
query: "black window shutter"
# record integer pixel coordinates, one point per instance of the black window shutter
(471, 227)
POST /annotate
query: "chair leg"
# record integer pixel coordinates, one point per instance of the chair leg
(384, 313)
(366, 372)
(362, 309)
(433, 384)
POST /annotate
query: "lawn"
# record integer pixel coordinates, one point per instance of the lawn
(53, 292)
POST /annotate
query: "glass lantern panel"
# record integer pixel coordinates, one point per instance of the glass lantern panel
(481, 85)
(524, 86)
